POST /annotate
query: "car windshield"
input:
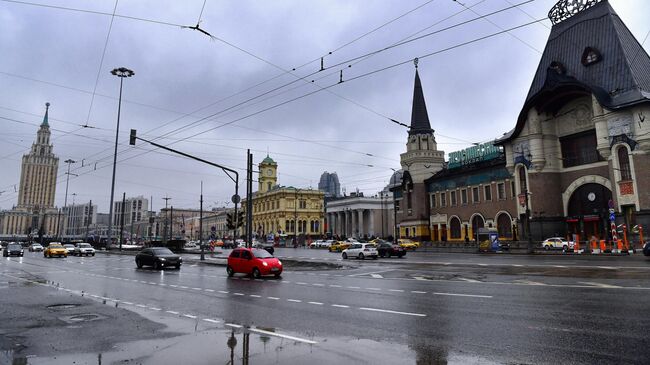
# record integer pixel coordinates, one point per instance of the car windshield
(55, 246)
(162, 251)
(262, 254)
(84, 245)
(69, 246)
(14, 246)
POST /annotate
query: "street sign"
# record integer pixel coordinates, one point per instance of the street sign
(612, 217)
(610, 204)
(236, 199)
(612, 211)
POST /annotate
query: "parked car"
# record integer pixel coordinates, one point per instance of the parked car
(408, 244)
(387, 249)
(338, 246)
(557, 243)
(83, 248)
(158, 257)
(190, 245)
(254, 261)
(646, 249)
(316, 244)
(55, 249)
(361, 251)
(13, 249)
(35, 247)
(268, 246)
(70, 248)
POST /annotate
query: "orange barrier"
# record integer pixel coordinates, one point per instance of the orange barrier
(603, 246)
(619, 245)
(576, 246)
(594, 245)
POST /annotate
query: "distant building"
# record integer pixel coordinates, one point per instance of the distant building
(329, 184)
(35, 214)
(285, 210)
(134, 210)
(79, 218)
(358, 216)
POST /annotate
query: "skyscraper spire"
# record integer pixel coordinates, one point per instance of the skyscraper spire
(45, 123)
(419, 116)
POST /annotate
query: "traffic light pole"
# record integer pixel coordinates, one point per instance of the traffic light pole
(227, 171)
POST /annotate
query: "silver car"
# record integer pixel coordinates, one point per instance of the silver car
(83, 248)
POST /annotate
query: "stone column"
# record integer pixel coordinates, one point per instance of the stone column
(362, 230)
(372, 230)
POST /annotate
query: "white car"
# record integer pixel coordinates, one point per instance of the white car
(83, 248)
(316, 244)
(70, 248)
(557, 243)
(191, 245)
(326, 244)
(361, 251)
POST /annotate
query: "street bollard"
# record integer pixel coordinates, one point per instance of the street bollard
(594, 246)
(603, 246)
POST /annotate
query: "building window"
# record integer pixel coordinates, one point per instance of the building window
(504, 226)
(433, 200)
(302, 204)
(453, 198)
(409, 200)
(454, 228)
(501, 191)
(523, 184)
(463, 196)
(475, 195)
(513, 193)
(590, 56)
(579, 149)
(443, 199)
(488, 192)
(477, 222)
(624, 164)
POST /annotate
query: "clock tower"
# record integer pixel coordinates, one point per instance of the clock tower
(268, 177)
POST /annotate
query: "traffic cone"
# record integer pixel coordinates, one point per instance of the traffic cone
(603, 246)
(619, 246)
(594, 247)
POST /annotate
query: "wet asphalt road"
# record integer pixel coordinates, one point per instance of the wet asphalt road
(426, 308)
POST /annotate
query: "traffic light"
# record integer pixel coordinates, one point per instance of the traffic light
(240, 219)
(229, 223)
(132, 137)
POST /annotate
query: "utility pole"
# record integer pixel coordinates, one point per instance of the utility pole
(65, 201)
(249, 199)
(122, 220)
(171, 224)
(295, 216)
(201, 224)
(151, 219)
(88, 218)
(166, 199)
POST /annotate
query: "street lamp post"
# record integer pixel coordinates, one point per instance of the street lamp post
(121, 72)
(65, 201)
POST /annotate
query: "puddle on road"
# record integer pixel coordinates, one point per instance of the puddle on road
(223, 346)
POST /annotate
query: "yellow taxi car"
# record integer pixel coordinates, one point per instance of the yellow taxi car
(338, 246)
(407, 244)
(55, 249)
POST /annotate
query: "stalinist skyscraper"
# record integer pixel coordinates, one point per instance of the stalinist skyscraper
(35, 210)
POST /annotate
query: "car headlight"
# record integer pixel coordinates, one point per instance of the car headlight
(265, 263)
(180, 259)
(279, 262)
(163, 259)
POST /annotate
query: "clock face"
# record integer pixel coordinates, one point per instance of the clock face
(269, 172)
(591, 197)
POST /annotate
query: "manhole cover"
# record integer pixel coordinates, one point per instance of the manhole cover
(62, 306)
(86, 317)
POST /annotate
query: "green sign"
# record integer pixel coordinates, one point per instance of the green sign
(481, 152)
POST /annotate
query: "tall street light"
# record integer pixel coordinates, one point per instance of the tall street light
(121, 72)
(65, 201)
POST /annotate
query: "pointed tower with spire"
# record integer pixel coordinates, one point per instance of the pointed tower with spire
(422, 158)
(35, 214)
(420, 161)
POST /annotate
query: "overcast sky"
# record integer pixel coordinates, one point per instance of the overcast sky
(243, 77)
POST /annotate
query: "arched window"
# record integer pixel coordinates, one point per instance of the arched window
(454, 228)
(624, 164)
(268, 186)
(504, 226)
(477, 222)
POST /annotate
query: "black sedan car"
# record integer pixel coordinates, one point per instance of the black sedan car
(646, 249)
(13, 249)
(387, 249)
(158, 257)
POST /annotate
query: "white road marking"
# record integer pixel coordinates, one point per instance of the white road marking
(233, 325)
(315, 303)
(172, 312)
(189, 316)
(183, 287)
(376, 276)
(396, 290)
(370, 273)
(222, 291)
(528, 282)
(283, 336)
(335, 286)
(254, 296)
(393, 312)
(141, 305)
(340, 306)
(601, 285)
(373, 288)
(211, 320)
(152, 283)
(238, 293)
(469, 280)
(418, 292)
(354, 287)
(301, 283)
(294, 300)
(155, 309)
(318, 284)
(209, 290)
(273, 298)
(197, 288)
(464, 295)
(560, 266)
(173, 286)
(419, 278)
(125, 302)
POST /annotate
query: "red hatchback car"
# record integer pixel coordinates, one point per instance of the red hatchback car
(253, 261)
